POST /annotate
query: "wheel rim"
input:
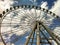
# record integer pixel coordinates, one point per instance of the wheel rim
(24, 8)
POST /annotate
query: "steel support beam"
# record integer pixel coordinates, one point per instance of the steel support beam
(51, 33)
(27, 41)
(40, 42)
(32, 37)
(45, 37)
(38, 34)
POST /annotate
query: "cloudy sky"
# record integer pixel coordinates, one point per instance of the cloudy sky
(53, 5)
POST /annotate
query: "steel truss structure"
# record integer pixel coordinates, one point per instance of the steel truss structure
(40, 37)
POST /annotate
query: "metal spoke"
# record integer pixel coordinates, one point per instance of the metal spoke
(25, 18)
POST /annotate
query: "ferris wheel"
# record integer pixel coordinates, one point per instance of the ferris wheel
(35, 21)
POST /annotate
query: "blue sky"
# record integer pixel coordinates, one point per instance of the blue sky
(50, 2)
(52, 5)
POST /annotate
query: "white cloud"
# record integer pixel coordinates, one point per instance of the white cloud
(5, 4)
(33, 0)
(56, 7)
(44, 5)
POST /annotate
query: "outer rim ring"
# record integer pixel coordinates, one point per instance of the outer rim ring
(3, 15)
